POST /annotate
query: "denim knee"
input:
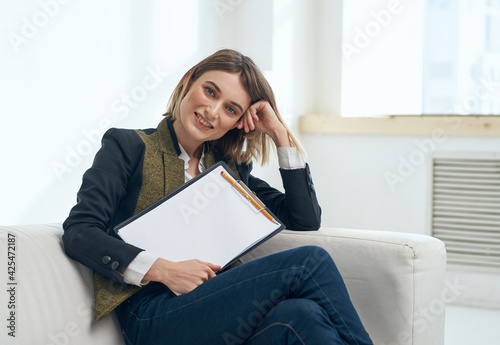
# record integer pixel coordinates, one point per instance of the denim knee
(311, 257)
(300, 311)
(313, 252)
(294, 321)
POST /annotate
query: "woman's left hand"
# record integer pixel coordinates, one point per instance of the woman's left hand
(261, 117)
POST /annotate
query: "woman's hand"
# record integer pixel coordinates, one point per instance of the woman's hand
(181, 277)
(261, 117)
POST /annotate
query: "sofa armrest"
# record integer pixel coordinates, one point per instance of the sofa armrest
(51, 295)
(395, 280)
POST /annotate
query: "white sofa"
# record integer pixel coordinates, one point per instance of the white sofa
(396, 282)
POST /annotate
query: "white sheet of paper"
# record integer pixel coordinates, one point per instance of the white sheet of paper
(208, 220)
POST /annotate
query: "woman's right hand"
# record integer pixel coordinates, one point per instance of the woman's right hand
(183, 276)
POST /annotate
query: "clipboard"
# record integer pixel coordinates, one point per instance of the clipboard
(207, 218)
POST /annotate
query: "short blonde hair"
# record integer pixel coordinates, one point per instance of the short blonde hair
(235, 144)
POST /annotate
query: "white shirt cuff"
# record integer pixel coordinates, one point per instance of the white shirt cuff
(135, 272)
(289, 158)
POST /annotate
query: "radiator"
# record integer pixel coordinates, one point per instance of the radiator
(465, 207)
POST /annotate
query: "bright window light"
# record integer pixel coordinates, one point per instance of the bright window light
(430, 57)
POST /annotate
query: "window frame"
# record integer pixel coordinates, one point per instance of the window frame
(326, 117)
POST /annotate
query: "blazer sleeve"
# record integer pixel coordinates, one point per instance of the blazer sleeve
(88, 237)
(298, 207)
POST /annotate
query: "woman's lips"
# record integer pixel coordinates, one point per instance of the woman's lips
(203, 121)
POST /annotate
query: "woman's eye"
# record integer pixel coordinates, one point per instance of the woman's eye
(210, 91)
(231, 110)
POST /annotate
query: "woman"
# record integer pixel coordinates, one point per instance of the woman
(222, 109)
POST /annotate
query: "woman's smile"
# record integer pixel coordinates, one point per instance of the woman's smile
(203, 122)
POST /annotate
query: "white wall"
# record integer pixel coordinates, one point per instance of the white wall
(353, 177)
(62, 67)
(70, 70)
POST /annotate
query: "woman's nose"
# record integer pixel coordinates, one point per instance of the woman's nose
(213, 110)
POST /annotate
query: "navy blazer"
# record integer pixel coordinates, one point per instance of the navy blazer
(111, 187)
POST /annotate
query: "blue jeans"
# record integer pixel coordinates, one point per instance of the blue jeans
(292, 297)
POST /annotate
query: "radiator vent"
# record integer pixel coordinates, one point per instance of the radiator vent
(465, 211)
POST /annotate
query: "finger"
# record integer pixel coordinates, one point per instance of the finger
(256, 117)
(206, 274)
(256, 109)
(259, 106)
(251, 118)
(240, 123)
(212, 266)
(247, 122)
(211, 274)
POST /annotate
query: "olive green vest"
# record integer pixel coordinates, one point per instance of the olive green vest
(163, 171)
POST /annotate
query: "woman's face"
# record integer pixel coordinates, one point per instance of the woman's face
(213, 105)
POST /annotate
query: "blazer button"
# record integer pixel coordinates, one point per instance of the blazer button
(106, 260)
(115, 265)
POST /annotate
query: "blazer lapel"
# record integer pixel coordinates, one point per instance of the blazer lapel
(173, 166)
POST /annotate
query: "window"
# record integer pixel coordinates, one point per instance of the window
(423, 57)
